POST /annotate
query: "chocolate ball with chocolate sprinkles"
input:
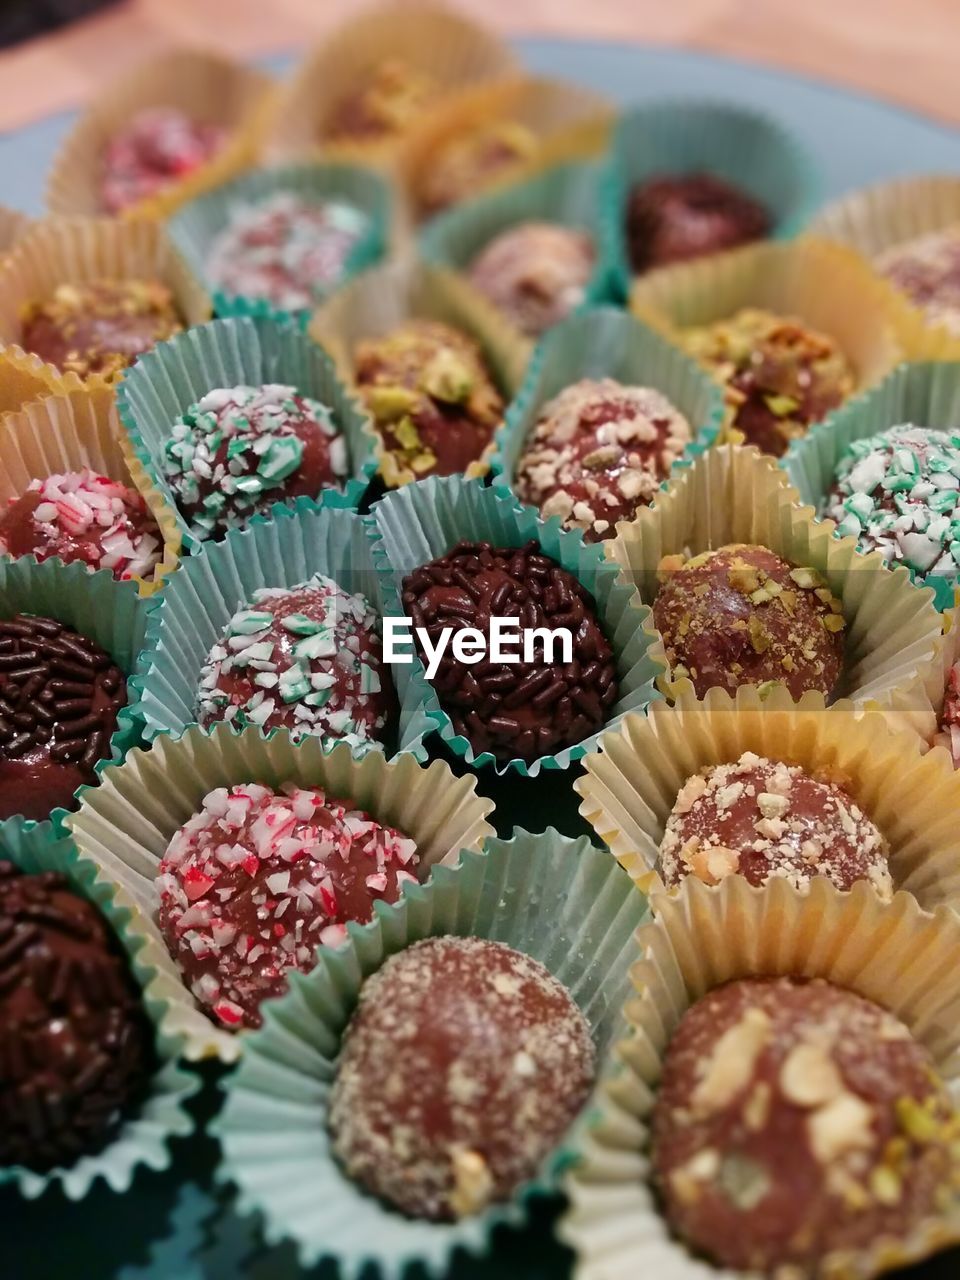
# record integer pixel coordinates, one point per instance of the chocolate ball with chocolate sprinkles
(252, 884)
(794, 1119)
(307, 658)
(515, 710)
(461, 1069)
(60, 695)
(676, 217)
(598, 451)
(762, 819)
(741, 615)
(237, 451)
(76, 1049)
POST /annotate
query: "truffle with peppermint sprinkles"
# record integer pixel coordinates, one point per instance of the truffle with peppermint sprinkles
(285, 250)
(83, 516)
(762, 818)
(256, 881)
(898, 492)
(239, 450)
(462, 1068)
(598, 451)
(157, 147)
(306, 657)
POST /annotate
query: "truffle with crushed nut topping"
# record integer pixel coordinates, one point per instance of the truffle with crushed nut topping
(387, 99)
(927, 270)
(467, 164)
(536, 273)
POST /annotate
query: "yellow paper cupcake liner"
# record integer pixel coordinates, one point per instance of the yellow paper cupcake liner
(13, 223)
(379, 301)
(78, 429)
(735, 494)
(24, 377)
(125, 824)
(57, 251)
(894, 954)
(431, 40)
(629, 789)
(205, 86)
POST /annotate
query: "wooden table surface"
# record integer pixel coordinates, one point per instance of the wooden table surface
(907, 51)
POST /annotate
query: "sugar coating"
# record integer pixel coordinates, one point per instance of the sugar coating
(927, 269)
(598, 451)
(795, 1118)
(461, 1069)
(156, 147)
(764, 819)
(535, 272)
(256, 881)
(306, 657)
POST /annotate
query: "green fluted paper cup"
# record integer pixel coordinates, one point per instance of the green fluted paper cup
(604, 342)
(110, 613)
(422, 521)
(241, 350)
(562, 901)
(919, 395)
(747, 148)
(287, 549)
(144, 1137)
(195, 226)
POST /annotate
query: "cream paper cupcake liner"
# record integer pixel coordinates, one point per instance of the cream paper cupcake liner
(894, 954)
(430, 39)
(127, 822)
(68, 432)
(13, 223)
(204, 85)
(24, 378)
(630, 786)
(559, 900)
(824, 286)
(735, 494)
(57, 251)
(379, 301)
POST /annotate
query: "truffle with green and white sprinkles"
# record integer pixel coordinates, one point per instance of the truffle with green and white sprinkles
(241, 449)
(898, 492)
(308, 658)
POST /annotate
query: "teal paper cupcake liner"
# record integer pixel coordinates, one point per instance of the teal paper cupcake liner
(95, 604)
(422, 521)
(195, 226)
(604, 342)
(144, 1137)
(282, 551)
(748, 148)
(922, 395)
(562, 901)
(166, 381)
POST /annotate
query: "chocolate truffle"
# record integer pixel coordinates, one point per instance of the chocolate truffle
(83, 516)
(252, 884)
(59, 698)
(898, 493)
(793, 1119)
(676, 218)
(156, 148)
(536, 273)
(100, 326)
(431, 397)
(284, 249)
(461, 1069)
(307, 658)
(761, 818)
(76, 1049)
(741, 615)
(949, 728)
(778, 375)
(241, 449)
(468, 164)
(390, 97)
(515, 710)
(927, 270)
(598, 451)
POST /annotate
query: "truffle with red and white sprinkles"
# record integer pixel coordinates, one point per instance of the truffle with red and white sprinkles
(239, 450)
(83, 516)
(761, 819)
(252, 884)
(307, 658)
(598, 451)
(157, 147)
(285, 250)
